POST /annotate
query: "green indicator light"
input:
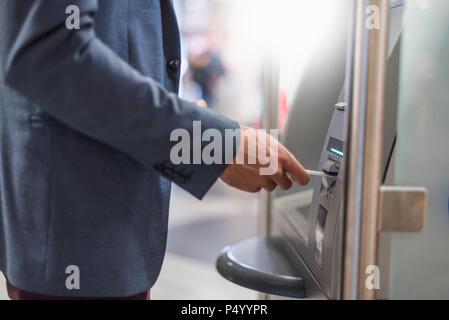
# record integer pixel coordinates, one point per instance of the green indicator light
(341, 154)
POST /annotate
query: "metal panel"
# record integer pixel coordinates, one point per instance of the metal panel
(365, 149)
(402, 209)
(420, 262)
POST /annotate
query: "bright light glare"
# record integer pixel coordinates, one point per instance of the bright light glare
(298, 22)
(291, 30)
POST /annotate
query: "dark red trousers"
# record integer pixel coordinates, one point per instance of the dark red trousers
(17, 294)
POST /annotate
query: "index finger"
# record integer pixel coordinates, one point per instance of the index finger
(295, 169)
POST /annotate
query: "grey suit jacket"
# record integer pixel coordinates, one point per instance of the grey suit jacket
(85, 123)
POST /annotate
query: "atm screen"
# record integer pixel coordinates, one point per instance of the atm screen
(335, 146)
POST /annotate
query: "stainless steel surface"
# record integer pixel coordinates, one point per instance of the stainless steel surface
(402, 209)
(355, 88)
(270, 83)
(364, 175)
(389, 138)
(378, 53)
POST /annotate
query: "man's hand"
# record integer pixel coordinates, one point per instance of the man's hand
(245, 172)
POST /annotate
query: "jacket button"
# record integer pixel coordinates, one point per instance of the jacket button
(173, 66)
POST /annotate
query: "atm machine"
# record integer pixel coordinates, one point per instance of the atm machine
(301, 255)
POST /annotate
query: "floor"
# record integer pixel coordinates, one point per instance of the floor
(3, 295)
(198, 231)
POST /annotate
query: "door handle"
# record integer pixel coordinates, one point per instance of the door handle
(402, 209)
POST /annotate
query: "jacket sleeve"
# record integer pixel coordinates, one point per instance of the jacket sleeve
(77, 79)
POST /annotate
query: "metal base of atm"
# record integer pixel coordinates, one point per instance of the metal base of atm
(263, 264)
